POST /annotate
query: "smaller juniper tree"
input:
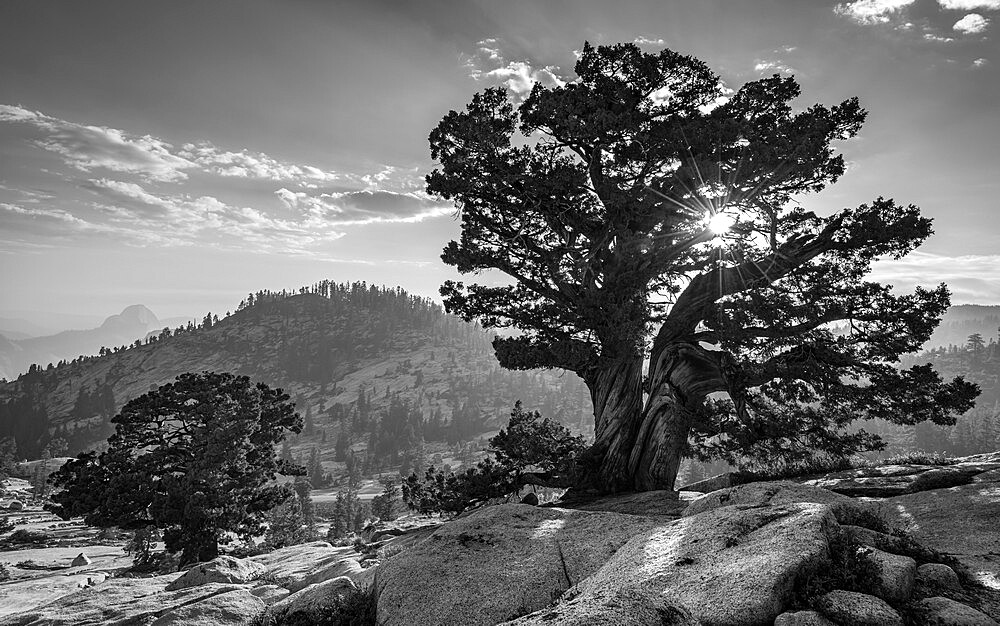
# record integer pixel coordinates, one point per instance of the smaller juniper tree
(195, 458)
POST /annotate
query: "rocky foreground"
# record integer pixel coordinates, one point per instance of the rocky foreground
(818, 550)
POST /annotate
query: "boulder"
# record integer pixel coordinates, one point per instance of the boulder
(270, 593)
(889, 543)
(15, 505)
(306, 604)
(892, 574)
(81, 559)
(802, 618)
(297, 567)
(990, 476)
(499, 563)
(728, 566)
(945, 612)
(233, 608)
(530, 498)
(627, 607)
(781, 492)
(938, 575)
(222, 569)
(891, 481)
(933, 519)
(857, 609)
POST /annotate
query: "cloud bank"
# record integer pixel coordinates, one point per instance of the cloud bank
(142, 191)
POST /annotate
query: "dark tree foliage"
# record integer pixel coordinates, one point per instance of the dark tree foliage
(531, 450)
(641, 212)
(8, 457)
(195, 457)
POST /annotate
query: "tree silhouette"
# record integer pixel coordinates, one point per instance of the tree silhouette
(640, 212)
(195, 457)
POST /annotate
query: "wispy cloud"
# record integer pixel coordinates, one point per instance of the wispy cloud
(772, 66)
(87, 148)
(971, 24)
(969, 277)
(182, 220)
(488, 64)
(247, 164)
(642, 40)
(970, 5)
(872, 11)
(364, 207)
(980, 62)
(143, 191)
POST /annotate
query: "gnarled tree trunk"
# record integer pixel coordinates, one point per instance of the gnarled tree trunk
(616, 391)
(681, 376)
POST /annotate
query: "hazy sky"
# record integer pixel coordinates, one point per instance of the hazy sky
(181, 154)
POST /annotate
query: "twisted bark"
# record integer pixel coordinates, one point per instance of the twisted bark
(616, 391)
(681, 376)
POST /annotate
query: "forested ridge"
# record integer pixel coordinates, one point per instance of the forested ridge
(369, 367)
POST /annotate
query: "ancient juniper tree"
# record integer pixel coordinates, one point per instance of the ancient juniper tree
(642, 213)
(195, 457)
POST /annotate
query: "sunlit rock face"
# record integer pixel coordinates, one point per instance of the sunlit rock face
(499, 563)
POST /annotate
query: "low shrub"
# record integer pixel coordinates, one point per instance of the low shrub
(530, 450)
(847, 569)
(23, 535)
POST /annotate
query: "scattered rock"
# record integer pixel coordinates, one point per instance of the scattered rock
(782, 492)
(222, 569)
(944, 612)
(530, 498)
(233, 608)
(893, 574)
(857, 609)
(382, 533)
(942, 478)
(270, 593)
(728, 566)
(81, 559)
(890, 543)
(499, 563)
(299, 566)
(306, 604)
(627, 607)
(117, 602)
(802, 618)
(15, 505)
(891, 481)
(938, 575)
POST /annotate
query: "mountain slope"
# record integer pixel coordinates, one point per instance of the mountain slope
(963, 320)
(345, 353)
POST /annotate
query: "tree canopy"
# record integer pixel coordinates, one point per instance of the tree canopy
(195, 457)
(645, 213)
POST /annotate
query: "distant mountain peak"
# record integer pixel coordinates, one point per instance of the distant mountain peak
(131, 316)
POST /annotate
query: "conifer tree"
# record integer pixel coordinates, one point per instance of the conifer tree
(195, 457)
